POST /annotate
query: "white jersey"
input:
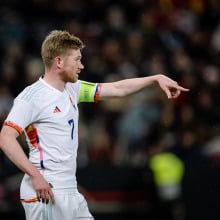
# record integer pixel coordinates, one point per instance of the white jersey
(49, 119)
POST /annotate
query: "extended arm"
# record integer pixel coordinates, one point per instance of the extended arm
(12, 149)
(130, 86)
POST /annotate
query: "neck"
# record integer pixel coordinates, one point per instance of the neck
(54, 80)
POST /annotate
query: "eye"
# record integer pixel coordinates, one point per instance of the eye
(78, 59)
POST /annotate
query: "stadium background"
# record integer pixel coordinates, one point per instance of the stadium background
(124, 39)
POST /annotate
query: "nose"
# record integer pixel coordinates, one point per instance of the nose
(81, 66)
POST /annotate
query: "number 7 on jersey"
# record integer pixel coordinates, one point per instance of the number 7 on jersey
(71, 123)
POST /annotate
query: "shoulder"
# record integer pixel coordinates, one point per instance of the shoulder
(73, 86)
(31, 92)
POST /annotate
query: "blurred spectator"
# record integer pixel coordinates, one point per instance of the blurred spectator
(33, 69)
(6, 101)
(175, 37)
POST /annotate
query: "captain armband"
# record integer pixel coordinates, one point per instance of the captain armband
(89, 92)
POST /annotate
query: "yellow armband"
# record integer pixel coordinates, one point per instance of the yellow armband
(89, 92)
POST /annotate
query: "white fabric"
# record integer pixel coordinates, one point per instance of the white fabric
(68, 206)
(54, 116)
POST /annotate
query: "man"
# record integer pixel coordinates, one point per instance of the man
(47, 112)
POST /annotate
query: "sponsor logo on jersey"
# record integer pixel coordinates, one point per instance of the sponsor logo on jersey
(56, 110)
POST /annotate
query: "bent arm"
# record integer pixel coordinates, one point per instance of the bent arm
(127, 87)
(12, 149)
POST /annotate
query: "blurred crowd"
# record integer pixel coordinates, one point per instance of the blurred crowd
(124, 39)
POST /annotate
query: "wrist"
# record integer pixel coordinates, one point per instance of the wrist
(33, 172)
(156, 78)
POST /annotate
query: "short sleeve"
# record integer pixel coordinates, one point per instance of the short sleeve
(20, 116)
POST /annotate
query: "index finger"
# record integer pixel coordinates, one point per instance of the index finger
(182, 88)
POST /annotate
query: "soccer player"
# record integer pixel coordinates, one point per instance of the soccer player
(47, 113)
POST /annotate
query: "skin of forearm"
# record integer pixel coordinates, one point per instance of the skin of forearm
(12, 149)
(127, 87)
(15, 153)
(131, 86)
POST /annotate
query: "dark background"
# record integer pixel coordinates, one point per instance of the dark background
(118, 138)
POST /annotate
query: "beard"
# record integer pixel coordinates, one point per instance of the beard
(69, 77)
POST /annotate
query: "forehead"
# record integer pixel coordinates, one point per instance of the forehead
(75, 53)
